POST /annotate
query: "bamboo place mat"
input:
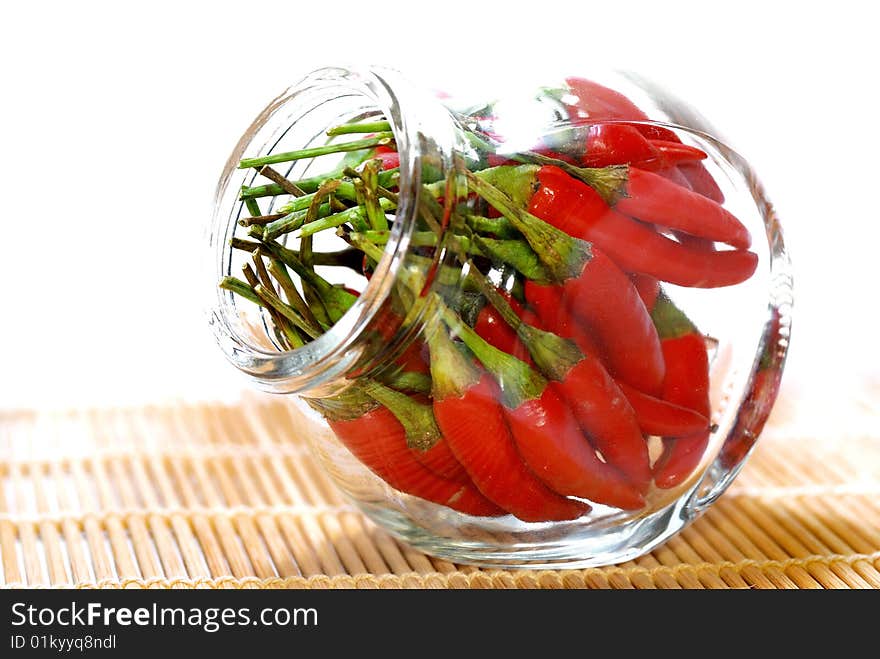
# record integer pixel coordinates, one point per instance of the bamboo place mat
(206, 496)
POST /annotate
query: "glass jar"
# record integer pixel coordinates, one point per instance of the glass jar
(542, 329)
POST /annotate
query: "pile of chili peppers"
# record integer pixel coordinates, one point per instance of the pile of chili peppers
(538, 398)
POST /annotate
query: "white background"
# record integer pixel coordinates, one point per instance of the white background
(115, 122)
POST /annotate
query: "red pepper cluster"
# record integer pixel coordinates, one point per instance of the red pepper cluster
(542, 400)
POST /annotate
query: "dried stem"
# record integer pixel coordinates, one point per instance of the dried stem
(288, 186)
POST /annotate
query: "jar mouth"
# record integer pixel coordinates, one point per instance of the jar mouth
(296, 119)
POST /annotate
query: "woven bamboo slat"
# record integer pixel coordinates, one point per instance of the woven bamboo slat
(204, 496)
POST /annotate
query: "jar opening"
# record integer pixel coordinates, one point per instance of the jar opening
(299, 119)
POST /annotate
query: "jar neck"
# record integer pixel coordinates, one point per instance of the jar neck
(426, 135)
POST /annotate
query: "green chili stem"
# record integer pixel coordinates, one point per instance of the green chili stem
(553, 355)
(307, 185)
(518, 381)
(515, 253)
(285, 310)
(249, 293)
(343, 258)
(410, 381)
(260, 220)
(393, 197)
(280, 327)
(370, 178)
(240, 288)
(362, 127)
(356, 215)
(242, 244)
(336, 300)
(671, 322)
(563, 255)
(294, 299)
(446, 275)
(292, 221)
(416, 418)
(310, 185)
(253, 207)
(452, 372)
(260, 266)
(498, 226)
(381, 139)
(324, 192)
(257, 191)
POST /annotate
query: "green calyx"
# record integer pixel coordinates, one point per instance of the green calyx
(496, 226)
(563, 256)
(518, 381)
(517, 254)
(670, 321)
(351, 404)
(610, 182)
(553, 355)
(416, 418)
(452, 372)
(408, 381)
(518, 182)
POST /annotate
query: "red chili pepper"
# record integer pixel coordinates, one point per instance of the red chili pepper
(660, 417)
(648, 288)
(590, 287)
(496, 332)
(570, 328)
(378, 440)
(549, 438)
(676, 175)
(597, 103)
(604, 298)
(675, 153)
(686, 384)
(695, 242)
(495, 160)
(596, 401)
(652, 198)
(616, 144)
(755, 409)
(414, 358)
(422, 434)
(752, 416)
(440, 459)
(673, 174)
(577, 209)
(468, 411)
(655, 416)
(621, 144)
(701, 181)
(390, 158)
(491, 327)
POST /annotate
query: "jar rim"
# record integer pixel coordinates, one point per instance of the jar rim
(336, 352)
